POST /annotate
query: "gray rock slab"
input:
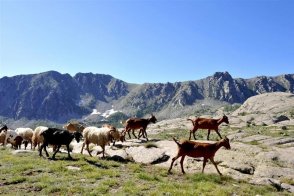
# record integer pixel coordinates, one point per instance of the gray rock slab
(145, 155)
(22, 151)
(73, 168)
(288, 187)
(277, 141)
(264, 171)
(255, 138)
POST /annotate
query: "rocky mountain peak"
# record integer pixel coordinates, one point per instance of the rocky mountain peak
(225, 76)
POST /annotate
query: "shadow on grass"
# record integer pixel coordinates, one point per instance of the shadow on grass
(96, 164)
(117, 158)
(63, 159)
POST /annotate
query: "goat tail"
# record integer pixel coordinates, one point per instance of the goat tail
(190, 119)
(177, 142)
(193, 122)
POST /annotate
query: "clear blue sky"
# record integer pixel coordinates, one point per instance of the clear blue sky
(147, 41)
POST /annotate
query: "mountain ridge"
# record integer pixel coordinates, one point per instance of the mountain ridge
(61, 97)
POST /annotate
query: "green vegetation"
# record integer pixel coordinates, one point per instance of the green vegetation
(231, 108)
(272, 131)
(22, 176)
(116, 119)
(201, 134)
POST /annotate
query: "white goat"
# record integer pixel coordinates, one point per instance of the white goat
(37, 137)
(99, 136)
(26, 134)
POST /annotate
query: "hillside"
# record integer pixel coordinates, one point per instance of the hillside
(266, 109)
(61, 97)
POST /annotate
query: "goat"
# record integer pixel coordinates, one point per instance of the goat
(26, 134)
(58, 137)
(207, 123)
(138, 123)
(10, 136)
(4, 128)
(17, 142)
(3, 134)
(199, 149)
(74, 126)
(99, 136)
(114, 134)
(37, 139)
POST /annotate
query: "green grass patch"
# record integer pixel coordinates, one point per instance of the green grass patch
(31, 175)
(272, 131)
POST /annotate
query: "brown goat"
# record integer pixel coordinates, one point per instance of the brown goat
(138, 123)
(207, 123)
(199, 149)
(74, 126)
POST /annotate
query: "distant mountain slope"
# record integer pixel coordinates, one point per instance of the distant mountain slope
(56, 96)
(60, 97)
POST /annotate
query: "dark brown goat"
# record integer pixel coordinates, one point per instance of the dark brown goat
(207, 123)
(199, 149)
(138, 123)
(17, 142)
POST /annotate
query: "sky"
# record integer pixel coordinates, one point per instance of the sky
(142, 41)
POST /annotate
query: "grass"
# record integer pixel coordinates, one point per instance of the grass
(28, 174)
(272, 131)
(168, 134)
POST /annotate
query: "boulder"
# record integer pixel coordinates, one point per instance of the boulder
(141, 154)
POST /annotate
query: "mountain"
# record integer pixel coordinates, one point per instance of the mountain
(61, 97)
(57, 97)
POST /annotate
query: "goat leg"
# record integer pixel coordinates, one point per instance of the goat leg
(103, 151)
(47, 154)
(182, 161)
(208, 134)
(40, 150)
(190, 134)
(25, 144)
(56, 150)
(129, 133)
(204, 163)
(133, 132)
(145, 134)
(140, 133)
(88, 149)
(171, 165)
(211, 159)
(218, 134)
(82, 147)
(67, 146)
(194, 135)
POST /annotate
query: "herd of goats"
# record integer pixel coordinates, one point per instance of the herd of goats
(43, 136)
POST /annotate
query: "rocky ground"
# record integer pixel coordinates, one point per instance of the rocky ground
(261, 134)
(258, 158)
